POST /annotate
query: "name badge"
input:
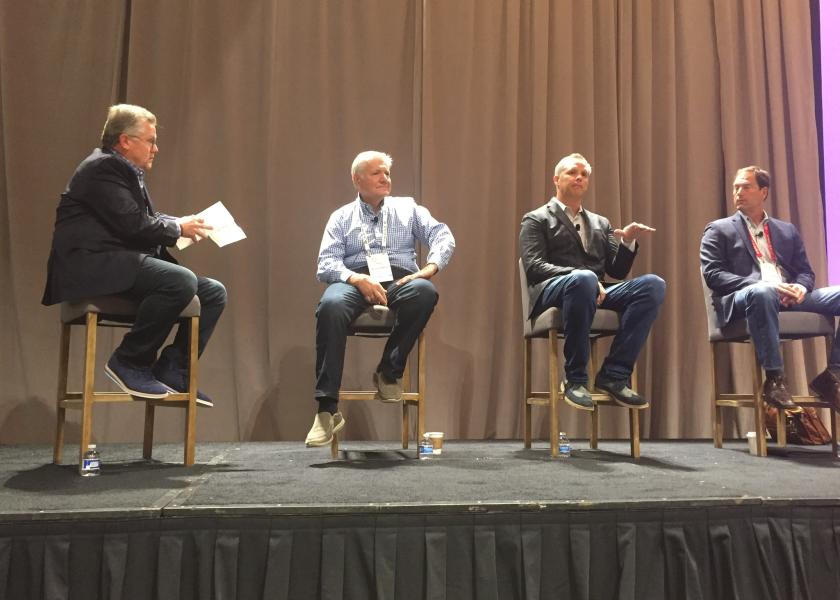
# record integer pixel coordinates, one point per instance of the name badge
(379, 267)
(770, 273)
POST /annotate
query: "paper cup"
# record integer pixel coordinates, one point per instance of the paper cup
(753, 442)
(436, 437)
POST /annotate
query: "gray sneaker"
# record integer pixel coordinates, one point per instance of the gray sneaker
(620, 392)
(387, 391)
(576, 395)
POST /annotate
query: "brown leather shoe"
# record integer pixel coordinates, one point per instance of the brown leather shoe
(827, 385)
(776, 394)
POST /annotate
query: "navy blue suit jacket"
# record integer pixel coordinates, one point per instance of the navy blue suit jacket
(104, 226)
(729, 262)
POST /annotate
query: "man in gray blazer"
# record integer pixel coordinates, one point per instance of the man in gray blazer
(756, 266)
(566, 251)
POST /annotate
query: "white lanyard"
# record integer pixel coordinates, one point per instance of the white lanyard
(364, 233)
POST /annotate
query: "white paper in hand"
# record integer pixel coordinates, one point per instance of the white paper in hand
(225, 230)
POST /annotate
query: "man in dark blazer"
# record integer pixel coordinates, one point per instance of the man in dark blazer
(108, 239)
(756, 266)
(566, 251)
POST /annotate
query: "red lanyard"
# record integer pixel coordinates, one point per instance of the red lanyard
(770, 250)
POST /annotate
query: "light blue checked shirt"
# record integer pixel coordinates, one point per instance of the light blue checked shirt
(342, 250)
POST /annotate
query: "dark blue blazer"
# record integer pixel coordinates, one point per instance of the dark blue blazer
(104, 226)
(729, 262)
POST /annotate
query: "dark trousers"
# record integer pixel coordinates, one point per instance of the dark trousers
(163, 290)
(638, 300)
(341, 303)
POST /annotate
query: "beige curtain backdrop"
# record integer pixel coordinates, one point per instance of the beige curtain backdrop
(263, 105)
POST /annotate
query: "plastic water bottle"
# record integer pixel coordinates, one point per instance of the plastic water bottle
(426, 448)
(90, 462)
(565, 445)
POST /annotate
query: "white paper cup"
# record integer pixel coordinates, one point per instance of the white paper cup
(436, 437)
(753, 442)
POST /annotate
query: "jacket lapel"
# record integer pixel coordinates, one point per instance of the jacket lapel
(562, 218)
(149, 206)
(741, 227)
(591, 225)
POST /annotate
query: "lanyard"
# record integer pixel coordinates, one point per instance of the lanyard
(364, 233)
(770, 251)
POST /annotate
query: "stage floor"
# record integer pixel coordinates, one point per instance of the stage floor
(287, 478)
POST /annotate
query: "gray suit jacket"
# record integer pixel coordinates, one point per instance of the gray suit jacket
(729, 262)
(550, 246)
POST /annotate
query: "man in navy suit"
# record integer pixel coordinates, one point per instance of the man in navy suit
(756, 266)
(566, 252)
(108, 239)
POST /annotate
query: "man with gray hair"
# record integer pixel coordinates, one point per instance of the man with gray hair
(367, 257)
(566, 252)
(109, 239)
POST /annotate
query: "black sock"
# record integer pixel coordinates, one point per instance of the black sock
(775, 372)
(327, 405)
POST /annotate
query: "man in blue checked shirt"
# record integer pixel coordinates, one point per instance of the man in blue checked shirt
(367, 257)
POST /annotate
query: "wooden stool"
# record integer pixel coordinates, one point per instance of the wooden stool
(117, 311)
(549, 324)
(792, 326)
(377, 322)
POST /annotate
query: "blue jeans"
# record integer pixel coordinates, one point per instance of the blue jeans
(759, 304)
(342, 303)
(638, 300)
(163, 289)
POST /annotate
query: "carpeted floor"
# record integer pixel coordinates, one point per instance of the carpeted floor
(287, 477)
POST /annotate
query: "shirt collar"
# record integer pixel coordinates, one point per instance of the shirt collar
(366, 208)
(137, 170)
(568, 210)
(749, 222)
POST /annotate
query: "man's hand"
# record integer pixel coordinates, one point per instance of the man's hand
(602, 293)
(632, 231)
(370, 289)
(194, 227)
(790, 293)
(425, 273)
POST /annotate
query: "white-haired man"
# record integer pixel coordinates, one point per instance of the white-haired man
(109, 239)
(566, 251)
(368, 257)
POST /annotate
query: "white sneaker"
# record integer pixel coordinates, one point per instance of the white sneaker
(323, 428)
(387, 392)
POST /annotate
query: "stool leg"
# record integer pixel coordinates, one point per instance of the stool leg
(61, 412)
(527, 390)
(635, 444)
(334, 446)
(717, 411)
(421, 388)
(635, 449)
(189, 421)
(149, 431)
(554, 383)
(593, 416)
(760, 438)
(832, 414)
(406, 388)
(87, 385)
(781, 428)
